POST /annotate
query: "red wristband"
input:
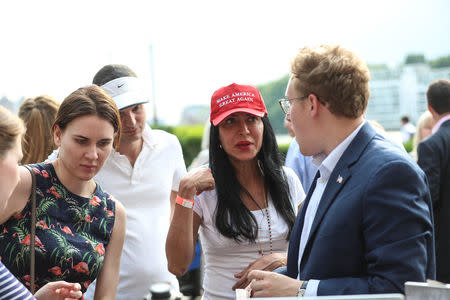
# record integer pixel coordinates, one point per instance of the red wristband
(184, 202)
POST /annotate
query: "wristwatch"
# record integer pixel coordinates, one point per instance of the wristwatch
(302, 289)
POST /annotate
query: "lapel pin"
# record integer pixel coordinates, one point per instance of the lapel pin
(339, 180)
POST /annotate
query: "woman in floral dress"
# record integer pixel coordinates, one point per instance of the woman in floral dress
(79, 227)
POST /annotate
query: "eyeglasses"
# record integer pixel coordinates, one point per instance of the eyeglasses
(285, 103)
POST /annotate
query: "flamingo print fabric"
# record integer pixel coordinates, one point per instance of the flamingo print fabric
(72, 233)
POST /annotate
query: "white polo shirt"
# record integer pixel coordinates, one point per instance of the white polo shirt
(144, 190)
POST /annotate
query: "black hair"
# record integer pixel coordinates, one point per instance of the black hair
(232, 218)
(438, 96)
(111, 72)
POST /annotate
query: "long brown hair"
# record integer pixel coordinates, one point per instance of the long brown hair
(89, 100)
(38, 114)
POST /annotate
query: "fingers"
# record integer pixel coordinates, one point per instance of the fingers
(244, 272)
(240, 284)
(203, 179)
(257, 274)
(195, 182)
(67, 290)
(66, 285)
(274, 265)
(257, 288)
(246, 284)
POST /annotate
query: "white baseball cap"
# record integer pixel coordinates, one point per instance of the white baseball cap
(126, 91)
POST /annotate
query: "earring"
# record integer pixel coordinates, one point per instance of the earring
(220, 146)
(260, 167)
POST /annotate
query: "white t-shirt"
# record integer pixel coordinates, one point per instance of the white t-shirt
(223, 256)
(145, 192)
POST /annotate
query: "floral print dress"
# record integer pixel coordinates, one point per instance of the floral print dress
(72, 233)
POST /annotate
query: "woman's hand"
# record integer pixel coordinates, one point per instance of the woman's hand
(195, 182)
(59, 290)
(265, 263)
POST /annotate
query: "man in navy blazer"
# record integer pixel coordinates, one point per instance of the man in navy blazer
(366, 224)
(434, 159)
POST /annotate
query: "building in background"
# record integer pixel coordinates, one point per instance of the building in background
(196, 114)
(399, 91)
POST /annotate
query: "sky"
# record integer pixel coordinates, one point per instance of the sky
(55, 47)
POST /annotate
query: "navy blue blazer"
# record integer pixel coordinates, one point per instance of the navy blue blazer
(373, 229)
(434, 159)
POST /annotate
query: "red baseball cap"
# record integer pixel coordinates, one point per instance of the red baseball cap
(236, 98)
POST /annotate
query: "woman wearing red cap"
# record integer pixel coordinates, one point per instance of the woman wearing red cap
(244, 204)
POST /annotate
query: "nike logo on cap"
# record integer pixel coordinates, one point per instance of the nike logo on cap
(120, 85)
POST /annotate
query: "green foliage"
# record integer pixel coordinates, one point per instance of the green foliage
(414, 59)
(283, 149)
(440, 62)
(190, 137)
(378, 67)
(271, 93)
(169, 129)
(408, 145)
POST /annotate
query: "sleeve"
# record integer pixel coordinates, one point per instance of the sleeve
(430, 162)
(53, 156)
(396, 225)
(295, 188)
(291, 160)
(179, 165)
(198, 204)
(312, 287)
(301, 165)
(10, 287)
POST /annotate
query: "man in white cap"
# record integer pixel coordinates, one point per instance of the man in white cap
(144, 176)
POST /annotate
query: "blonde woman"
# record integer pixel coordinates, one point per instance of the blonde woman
(38, 114)
(423, 130)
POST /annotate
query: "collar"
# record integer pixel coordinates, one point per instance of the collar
(149, 140)
(149, 136)
(325, 163)
(440, 122)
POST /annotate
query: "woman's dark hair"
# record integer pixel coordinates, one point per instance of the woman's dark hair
(233, 219)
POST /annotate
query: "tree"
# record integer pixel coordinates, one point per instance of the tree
(415, 59)
(271, 92)
(440, 62)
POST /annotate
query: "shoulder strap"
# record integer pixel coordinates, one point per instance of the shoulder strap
(33, 228)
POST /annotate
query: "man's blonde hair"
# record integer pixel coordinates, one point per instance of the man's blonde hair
(334, 74)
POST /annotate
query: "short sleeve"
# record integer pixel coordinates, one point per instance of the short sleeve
(198, 204)
(295, 188)
(179, 166)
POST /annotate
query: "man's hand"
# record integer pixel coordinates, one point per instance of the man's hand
(269, 284)
(59, 290)
(265, 263)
